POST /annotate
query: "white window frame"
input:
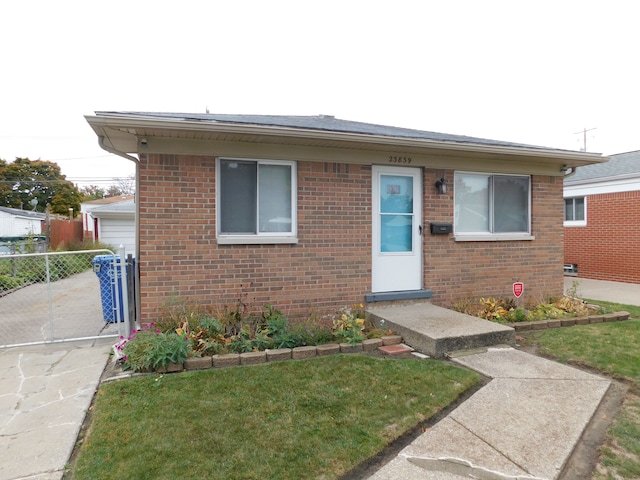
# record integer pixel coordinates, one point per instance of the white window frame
(491, 236)
(259, 237)
(575, 223)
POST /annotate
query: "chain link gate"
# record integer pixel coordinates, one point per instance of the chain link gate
(63, 296)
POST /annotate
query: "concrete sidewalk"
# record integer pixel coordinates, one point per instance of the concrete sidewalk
(616, 292)
(45, 392)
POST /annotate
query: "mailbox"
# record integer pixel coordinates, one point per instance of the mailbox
(441, 228)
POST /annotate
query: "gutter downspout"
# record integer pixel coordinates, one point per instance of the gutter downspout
(114, 151)
(136, 273)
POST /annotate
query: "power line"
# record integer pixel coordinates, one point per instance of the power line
(72, 180)
(584, 136)
(80, 158)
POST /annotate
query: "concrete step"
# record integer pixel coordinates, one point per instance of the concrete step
(436, 331)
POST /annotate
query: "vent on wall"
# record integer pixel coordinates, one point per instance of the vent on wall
(571, 269)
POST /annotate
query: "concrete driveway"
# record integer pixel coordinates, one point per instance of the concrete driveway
(67, 309)
(45, 392)
(616, 292)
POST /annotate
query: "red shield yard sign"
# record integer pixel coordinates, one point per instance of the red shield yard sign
(518, 288)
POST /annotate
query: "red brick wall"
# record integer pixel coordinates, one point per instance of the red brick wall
(608, 247)
(330, 267)
(459, 270)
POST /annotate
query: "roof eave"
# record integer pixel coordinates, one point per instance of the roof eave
(610, 178)
(111, 127)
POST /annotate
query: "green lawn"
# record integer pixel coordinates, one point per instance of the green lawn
(614, 349)
(316, 418)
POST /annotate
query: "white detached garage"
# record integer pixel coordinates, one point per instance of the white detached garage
(116, 224)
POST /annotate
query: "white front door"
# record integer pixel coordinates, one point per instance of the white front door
(397, 229)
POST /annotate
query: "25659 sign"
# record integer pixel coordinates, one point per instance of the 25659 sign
(396, 159)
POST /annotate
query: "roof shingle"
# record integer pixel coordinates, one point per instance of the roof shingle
(620, 165)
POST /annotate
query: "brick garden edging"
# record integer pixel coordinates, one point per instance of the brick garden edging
(278, 355)
(568, 322)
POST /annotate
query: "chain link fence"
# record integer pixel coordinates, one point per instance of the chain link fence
(29, 244)
(61, 296)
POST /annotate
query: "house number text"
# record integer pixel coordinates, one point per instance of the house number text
(394, 159)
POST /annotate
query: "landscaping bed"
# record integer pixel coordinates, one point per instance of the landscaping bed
(564, 311)
(270, 355)
(569, 321)
(194, 339)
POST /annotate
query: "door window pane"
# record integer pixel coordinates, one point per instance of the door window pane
(396, 213)
(396, 194)
(396, 233)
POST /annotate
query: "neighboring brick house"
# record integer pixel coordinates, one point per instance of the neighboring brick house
(602, 220)
(311, 214)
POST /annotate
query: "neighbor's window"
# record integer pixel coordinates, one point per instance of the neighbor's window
(256, 199)
(575, 211)
(496, 206)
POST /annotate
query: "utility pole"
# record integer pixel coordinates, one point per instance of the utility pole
(584, 137)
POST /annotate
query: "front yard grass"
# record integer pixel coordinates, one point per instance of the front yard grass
(613, 349)
(317, 418)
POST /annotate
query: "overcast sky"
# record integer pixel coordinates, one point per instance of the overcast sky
(534, 72)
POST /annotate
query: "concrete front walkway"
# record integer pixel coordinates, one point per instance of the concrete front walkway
(524, 424)
(45, 392)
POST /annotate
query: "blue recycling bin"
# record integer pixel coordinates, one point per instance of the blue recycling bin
(103, 266)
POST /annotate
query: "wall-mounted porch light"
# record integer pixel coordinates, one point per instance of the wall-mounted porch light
(441, 185)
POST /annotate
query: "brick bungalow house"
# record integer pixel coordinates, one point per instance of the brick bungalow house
(602, 220)
(311, 214)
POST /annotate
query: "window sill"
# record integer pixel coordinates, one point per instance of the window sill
(505, 237)
(578, 223)
(254, 240)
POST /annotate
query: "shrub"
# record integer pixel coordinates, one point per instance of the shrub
(8, 282)
(276, 326)
(241, 343)
(518, 314)
(148, 350)
(349, 326)
(311, 333)
(493, 309)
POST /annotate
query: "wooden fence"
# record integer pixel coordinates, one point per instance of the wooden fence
(64, 232)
